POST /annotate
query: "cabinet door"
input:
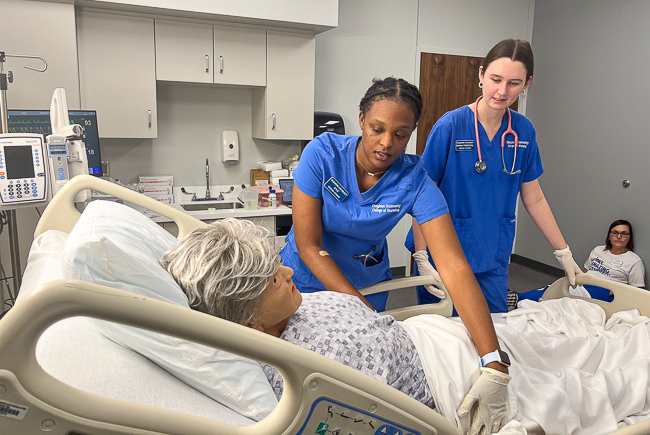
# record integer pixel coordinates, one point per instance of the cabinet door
(183, 52)
(40, 29)
(239, 56)
(117, 73)
(285, 108)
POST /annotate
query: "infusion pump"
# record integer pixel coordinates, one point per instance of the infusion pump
(32, 170)
(23, 177)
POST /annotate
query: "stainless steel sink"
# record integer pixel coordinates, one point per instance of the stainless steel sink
(202, 206)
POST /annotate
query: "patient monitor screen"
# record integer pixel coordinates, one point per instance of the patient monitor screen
(19, 162)
(38, 121)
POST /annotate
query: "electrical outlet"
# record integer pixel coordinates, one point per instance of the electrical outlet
(106, 168)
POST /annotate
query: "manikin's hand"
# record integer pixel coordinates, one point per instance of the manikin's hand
(426, 268)
(569, 265)
(489, 395)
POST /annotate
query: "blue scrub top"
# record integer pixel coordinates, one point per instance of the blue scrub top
(482, 206)
(360, 221)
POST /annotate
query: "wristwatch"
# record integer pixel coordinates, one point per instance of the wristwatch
(497, 356)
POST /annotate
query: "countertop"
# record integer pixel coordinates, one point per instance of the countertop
(180, 199)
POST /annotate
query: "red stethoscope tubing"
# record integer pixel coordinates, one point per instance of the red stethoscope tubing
(509, 130)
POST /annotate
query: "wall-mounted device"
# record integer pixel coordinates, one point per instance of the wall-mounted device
(38, 121)
(23, 182)
(229, 146)
(31, 173)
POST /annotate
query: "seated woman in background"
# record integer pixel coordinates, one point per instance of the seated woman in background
(616, 260)
(229, 269)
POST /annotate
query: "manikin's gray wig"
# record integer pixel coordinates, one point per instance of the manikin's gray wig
(224, 268)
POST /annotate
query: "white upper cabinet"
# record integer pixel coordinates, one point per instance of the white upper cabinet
(184, 52)
(284, 110)
(117, 73)
(202, 53)
(239, 56)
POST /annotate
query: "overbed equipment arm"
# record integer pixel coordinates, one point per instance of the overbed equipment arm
(32, 401)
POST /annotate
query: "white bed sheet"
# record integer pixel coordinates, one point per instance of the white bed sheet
(572, 372)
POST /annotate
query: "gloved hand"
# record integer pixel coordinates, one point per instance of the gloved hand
(490, 395)
(568, 264)
(426, 268)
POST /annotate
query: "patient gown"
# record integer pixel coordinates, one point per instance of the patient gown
(342, 328)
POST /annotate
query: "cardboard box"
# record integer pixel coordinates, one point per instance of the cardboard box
(160, 180)
(157, 189)
(258, 177)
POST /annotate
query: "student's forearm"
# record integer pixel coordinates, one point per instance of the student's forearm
(535, 203)
(418, 238)
(463, 288)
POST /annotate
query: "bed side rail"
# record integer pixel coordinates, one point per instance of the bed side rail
(444, 307)
(309, 377)
(61, 214)
(626, 297)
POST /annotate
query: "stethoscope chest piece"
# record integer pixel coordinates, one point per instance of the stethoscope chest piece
(480, 166)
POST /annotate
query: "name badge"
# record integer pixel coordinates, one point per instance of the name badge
(617, 263)
(464, 145)
(336, 189)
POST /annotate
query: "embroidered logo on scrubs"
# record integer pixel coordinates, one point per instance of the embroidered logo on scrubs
(522, 144)
(464, 145)
(386, 208)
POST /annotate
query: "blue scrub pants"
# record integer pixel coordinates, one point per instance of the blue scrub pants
(494, 284)
(377, 300)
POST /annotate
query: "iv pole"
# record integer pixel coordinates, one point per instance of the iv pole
(5, 79)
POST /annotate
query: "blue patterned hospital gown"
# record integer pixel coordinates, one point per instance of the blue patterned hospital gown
(342, 328)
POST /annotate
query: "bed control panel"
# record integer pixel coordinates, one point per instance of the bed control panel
(328, 417)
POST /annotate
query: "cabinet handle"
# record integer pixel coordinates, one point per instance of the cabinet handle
(273, 125)
(221, 64)
(207, 63)
(149, 118)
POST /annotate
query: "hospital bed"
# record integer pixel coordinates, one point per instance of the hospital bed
(60, 375)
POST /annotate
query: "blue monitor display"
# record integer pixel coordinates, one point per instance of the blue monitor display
(38, 121)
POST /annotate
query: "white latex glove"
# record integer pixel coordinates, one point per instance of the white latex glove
(426, 268)
(568, 264)
(490, 395)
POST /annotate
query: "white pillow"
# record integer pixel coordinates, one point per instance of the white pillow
(43, 262)
(116, 246)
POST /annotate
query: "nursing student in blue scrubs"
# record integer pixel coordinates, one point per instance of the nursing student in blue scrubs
(463, 156)
(349, 193)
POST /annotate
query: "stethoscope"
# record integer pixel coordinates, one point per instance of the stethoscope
(480, 165)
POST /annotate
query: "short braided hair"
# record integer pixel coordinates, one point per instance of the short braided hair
(394, 89)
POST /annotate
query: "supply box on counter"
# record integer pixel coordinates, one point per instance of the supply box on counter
(158, 187)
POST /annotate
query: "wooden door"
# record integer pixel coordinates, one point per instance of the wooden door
(446, 83)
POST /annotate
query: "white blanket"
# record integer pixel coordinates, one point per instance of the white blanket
(572, 372)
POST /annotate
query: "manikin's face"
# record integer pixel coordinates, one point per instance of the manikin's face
(503, 81)
(386, 129)
(279, 301)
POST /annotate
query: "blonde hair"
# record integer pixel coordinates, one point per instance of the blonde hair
(224, 268)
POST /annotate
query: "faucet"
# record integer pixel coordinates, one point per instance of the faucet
(207, 181)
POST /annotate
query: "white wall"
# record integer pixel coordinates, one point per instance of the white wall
(589, 105)
(378, 38)
(191, 118)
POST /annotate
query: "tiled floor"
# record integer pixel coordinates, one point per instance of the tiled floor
(520, 279)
